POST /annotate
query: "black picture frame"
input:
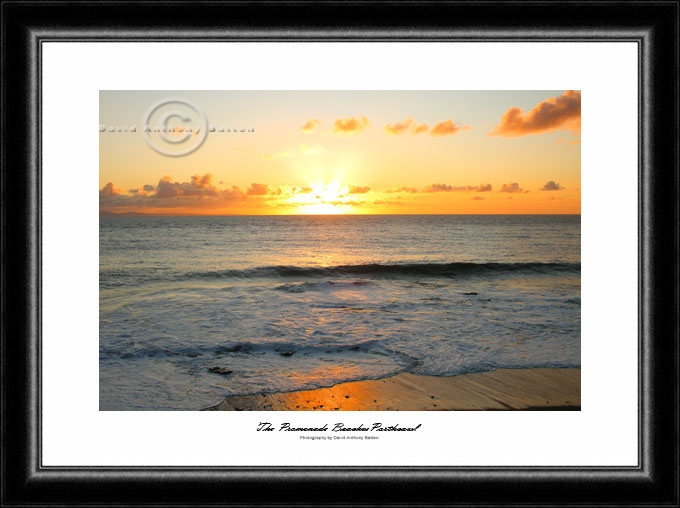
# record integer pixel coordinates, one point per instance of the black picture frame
(653, 26)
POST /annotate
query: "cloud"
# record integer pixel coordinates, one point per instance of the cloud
(357, 189)
(336, 202)
(311, 126)
(438, 187)
(419, 128)
(510, 187)
(442, 187)
(562, 112)
(399, 127)
(401, 189)
(311, 150)
(258, 189)
(350, 125)
(448, 128)
(278, 155)
(142, 191)
(395, 201)
(198, 187)
(201, 181)
(200, 195)
(109, 190)
(197, 193)
(551, 186)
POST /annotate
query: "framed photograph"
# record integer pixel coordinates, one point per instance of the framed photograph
(296, 253)
(294, 279)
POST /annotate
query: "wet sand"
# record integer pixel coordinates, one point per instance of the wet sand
(503, 389)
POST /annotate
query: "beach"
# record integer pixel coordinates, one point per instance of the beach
(502, 389)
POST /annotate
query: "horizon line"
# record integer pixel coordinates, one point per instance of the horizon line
(133, 214)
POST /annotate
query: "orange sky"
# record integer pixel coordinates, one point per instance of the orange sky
(329, 152)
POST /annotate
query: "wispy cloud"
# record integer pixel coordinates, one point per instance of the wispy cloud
(439, 187)
(408, 125)
(448, 128)
(311, 126)
(279, 155)
(394, 202)
(311, 150)
(350, 125)
(562, 112)
(401, 189)
(442, 187)
(342, 202)
(419, 128)
(358, 189)
(399, 127)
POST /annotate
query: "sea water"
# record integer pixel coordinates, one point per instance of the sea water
(193, 309)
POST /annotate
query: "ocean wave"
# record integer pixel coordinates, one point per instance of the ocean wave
(396, 270)
(285, 349)
(300, 287)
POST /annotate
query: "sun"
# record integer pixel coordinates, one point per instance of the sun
(322, 199)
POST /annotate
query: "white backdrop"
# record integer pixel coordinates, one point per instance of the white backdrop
(604, 432)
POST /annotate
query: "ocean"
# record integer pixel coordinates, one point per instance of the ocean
(193, 309)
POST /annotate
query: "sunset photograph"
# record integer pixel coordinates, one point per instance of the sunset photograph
(339, 250)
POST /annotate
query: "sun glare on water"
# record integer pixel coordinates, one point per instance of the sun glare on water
(322, 199)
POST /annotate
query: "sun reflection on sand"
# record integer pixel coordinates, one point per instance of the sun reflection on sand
(502, 389)
(351, 396)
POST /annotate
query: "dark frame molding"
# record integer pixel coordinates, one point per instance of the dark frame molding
(653, 25)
